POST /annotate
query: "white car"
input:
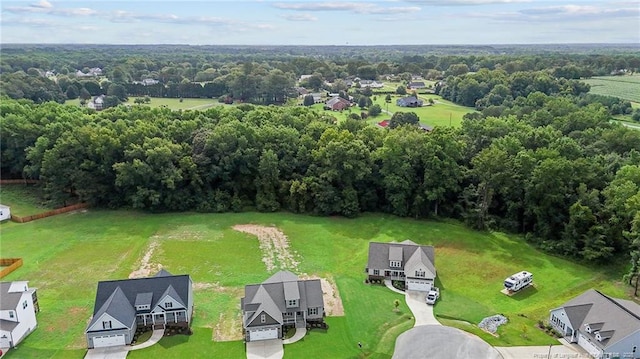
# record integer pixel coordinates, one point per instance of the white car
(433, 295)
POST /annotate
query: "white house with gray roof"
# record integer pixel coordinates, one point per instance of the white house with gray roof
(605, 327)
(407, 262)
(18, 308)
(121, 306)
(282, 300)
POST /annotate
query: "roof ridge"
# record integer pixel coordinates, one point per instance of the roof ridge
(615, 302)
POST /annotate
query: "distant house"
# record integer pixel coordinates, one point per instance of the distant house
(410, 101)
(5, 212)
(416, 85)
(371, 84)
(121, 306)
(337, 104)
(407, 262)
(383, 123)
(301, 91)
(317, 97)
(425, 128)
(18, 308)
(149, 82)
(605, 327)
(304, 77)
(281, 301)
(96, 103)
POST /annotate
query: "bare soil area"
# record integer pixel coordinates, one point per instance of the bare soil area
(332, 302)
(147, 268)
(274, 245)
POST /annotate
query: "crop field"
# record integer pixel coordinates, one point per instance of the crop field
(66, 255)
(624, 87)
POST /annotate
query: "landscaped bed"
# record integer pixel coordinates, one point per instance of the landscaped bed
(66, 255)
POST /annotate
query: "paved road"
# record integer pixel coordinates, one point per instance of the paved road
(538, 352)
(441, 342)
(265, 349)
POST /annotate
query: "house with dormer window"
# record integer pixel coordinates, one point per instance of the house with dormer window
(605, 327)
(280, 301)
(121, 306)
(407, 262)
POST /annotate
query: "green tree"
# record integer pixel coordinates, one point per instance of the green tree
(375, 110)
(401, 90)
(267, 182)
(308, 100)
(403, 118)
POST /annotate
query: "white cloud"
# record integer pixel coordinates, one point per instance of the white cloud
(466, 2)
(43, 4)
(300, 17)
(355, 7)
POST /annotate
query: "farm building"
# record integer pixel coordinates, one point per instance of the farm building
(5, 212)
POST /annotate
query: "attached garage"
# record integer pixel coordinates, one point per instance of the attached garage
(419, 285)
(263, 334)
(108, 341)
(586, 344)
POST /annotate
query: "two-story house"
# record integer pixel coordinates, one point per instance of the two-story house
(407, 262)
(18, 308)
(280, 301)
(121, 306)
(605, 327)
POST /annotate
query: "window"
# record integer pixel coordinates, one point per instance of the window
(420, 273)
(106, 325)
(11, 315)
(376, 272)
(313, 311)
(24, 304)
(168, 305)
(394, 264)
(292, 303)
(263, 318)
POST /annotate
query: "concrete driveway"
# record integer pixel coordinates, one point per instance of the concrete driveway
(265, 349)
(119, 352)
(420, 309)
(441, 342)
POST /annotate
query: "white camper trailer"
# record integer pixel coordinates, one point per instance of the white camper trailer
(518, 281)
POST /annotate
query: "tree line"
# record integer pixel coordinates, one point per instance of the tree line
(555, 171)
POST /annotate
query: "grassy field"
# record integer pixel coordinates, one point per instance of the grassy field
(172, 103)
(66, 255)
(23, 199)
(625, 87)
(442, 113)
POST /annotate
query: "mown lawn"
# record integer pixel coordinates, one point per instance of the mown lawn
(24, 200)
(172, 103)
(441, 113)
(65, 256)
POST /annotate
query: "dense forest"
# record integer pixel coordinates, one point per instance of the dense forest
(541, 157)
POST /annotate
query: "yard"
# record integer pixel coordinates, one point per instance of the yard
(66, 255)
(172, 103)
(23, 199)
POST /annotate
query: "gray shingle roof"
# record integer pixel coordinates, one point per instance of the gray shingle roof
(117, 306)
(157, 286)
(143, 299)
(379, 253)
(9, 300)
(617, 318)
(271, 295)
(7, 325)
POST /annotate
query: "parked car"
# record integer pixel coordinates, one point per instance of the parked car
(433, 295)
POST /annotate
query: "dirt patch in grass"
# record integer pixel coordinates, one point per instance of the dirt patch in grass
(229, 328)
(274, 245)
(332, 302)
(147, 268)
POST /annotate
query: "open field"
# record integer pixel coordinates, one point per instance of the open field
(23, 199)
(66, 255)
(441, 113)
(624, 87)
(172, 103)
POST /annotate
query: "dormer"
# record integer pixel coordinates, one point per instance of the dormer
(395, 257)
(291, 294)
(593, 327)
(143, 301)
(604, 335)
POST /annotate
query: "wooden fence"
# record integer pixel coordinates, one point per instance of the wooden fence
(48, 213)
(9, 264)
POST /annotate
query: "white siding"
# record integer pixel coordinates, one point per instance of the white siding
(115, 324)
(587, 345)
(26, 317)
(163, 304)
(5, 213)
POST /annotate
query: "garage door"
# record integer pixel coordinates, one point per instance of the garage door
(418, 285)
(588, 346)
(5, 342)
(263, 334)
(108, 341)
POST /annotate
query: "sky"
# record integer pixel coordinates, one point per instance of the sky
(308, 22)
